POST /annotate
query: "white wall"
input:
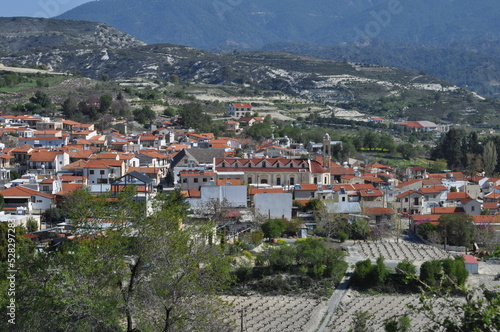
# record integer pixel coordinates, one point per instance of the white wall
(275, 205)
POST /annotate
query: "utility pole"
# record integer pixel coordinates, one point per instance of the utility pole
(242, 313)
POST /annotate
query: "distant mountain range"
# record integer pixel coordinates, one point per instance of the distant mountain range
(253, 23)
(474, 65)
(98, 51)
(458, 40)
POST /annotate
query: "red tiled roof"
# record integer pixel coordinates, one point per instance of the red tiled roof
(447, 210)
(20, 191)
(44, 155)
(242, 105)
(480, 219)
(377, 210)
(253, 191)
(457, 195)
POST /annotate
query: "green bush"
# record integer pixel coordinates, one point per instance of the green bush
(361, 272)
(343, 236)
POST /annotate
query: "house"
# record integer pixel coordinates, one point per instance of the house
(379, 214)
(275, 171)
(201, 159)
(43, 142)
(194, 179)
(410, 202)
(144, 185)
(416, 172)
(101, 173)
(455, 198)
(49, 125)
(371, 198)
(274, 205)
(471, 206)
(155, 159)
(238, 110)
(232, 126)
(47, 162)
(20, 198)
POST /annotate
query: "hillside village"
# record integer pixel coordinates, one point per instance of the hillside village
(53, 157)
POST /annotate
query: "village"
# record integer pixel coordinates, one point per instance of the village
(45, 160)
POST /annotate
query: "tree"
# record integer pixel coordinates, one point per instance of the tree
(331, 224)
(31, 225)
(192, 116)
(314, 204)
(69, 106)
(273, 228)
(362, 322)
(144, 115)
(457, 229)
(490, 157)
(407, 150)
(402, 324)
(154, 273)
(360, 229)
(105, 102)
(42, 99)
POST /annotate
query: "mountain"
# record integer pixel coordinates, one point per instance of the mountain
(253, 23)
(474, 65)
(97, 51)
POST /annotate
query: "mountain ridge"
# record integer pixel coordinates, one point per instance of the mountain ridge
(371, 89)
(253, 23)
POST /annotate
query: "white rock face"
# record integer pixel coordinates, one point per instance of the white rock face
(105, 57)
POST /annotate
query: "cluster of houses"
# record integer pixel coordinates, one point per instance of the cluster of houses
(54, 157)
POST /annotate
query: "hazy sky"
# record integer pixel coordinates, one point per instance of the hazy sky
(37, 8)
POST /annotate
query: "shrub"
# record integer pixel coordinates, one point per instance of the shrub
(343, 236)
(405, 270)
(361, 272)
(430, 273)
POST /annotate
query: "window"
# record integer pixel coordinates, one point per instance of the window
(278, 181)
(315, 180)
(249, 180)
(292, 181)
(195, 180)
(406, 199)
(184, 180)
(101, 172)
(415, 201)
(45, 188)
(473, 208)
(204, 179)
(91, 171)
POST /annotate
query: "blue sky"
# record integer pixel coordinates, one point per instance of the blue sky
(37, 8)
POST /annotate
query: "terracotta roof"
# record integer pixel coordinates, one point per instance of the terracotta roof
(486, 219)
(103, 163)
(68, 188)
(457, 195)
(409, 192)
(242, 105)
(447, 210)
(377, 210)
(196, 173)
(371, 193)
(407, 183)
(234, 182)
(20, 191)
(44, 155)
(431, 190)
(490, 205)
(253, 191)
